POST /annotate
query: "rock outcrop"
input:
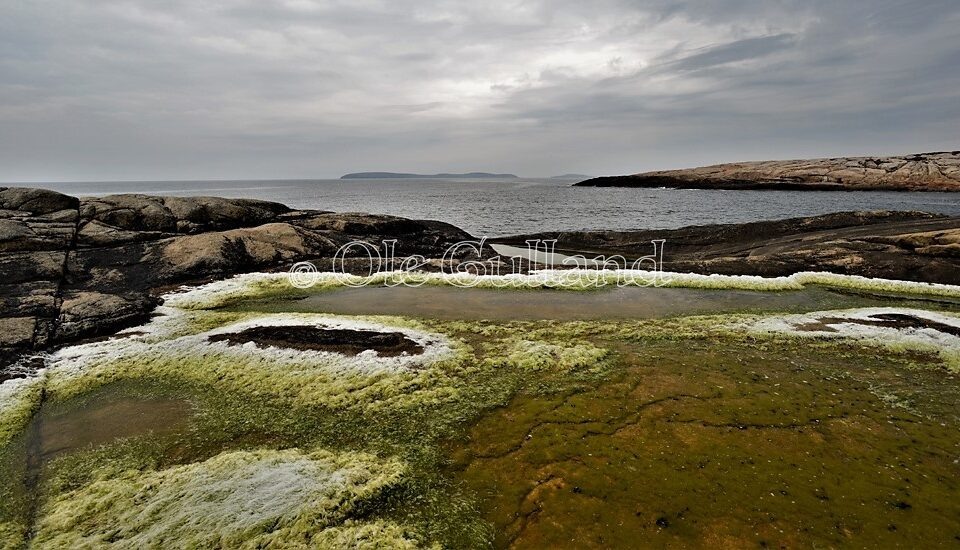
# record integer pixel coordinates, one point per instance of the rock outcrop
(77, 268)
(921, 172)
(909, 246)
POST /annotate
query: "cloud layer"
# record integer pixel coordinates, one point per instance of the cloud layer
(138, 89)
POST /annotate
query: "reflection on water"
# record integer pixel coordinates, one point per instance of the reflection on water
(449, 303)
(104, 419)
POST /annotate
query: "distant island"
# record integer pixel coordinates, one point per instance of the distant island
(920, 172)
(401, 175)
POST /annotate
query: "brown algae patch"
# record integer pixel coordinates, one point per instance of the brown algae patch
(345, 341)
(712, 443)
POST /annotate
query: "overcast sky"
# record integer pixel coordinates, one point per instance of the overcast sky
(188, 89)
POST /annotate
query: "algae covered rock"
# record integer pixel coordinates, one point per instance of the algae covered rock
(242, 499)
(366, 536)
(11, 534)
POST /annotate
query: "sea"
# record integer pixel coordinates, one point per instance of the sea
(500, 207)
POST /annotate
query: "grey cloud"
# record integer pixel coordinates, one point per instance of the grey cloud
(740, 50)
(138, 89)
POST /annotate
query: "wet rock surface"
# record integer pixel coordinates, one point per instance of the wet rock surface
(909, 246)
(309, 338)
(79, 268)
(921, 172)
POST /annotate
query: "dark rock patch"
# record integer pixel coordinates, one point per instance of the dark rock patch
(307, 338)
(24, 368)
(897, 321)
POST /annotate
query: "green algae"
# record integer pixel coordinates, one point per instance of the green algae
(272, 286)
(17, 409)
(531, 432)
(367, 536)
(14, 494)
(294, 385)
(497, 366)
(244, 499)
(538, 355)
(11, 535)
(403, 414)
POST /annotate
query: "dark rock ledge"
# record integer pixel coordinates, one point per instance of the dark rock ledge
(908, 246)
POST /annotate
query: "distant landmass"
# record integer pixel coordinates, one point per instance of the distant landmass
(401, 175)
(920, 172)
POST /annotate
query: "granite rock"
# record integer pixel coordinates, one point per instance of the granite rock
(78, 268)
(921, 172)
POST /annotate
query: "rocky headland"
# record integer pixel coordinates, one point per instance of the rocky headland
(921, 172)
(76, 268)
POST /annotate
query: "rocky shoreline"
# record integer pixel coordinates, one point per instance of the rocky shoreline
(79, 268)
(74, 268)
(921, 172)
